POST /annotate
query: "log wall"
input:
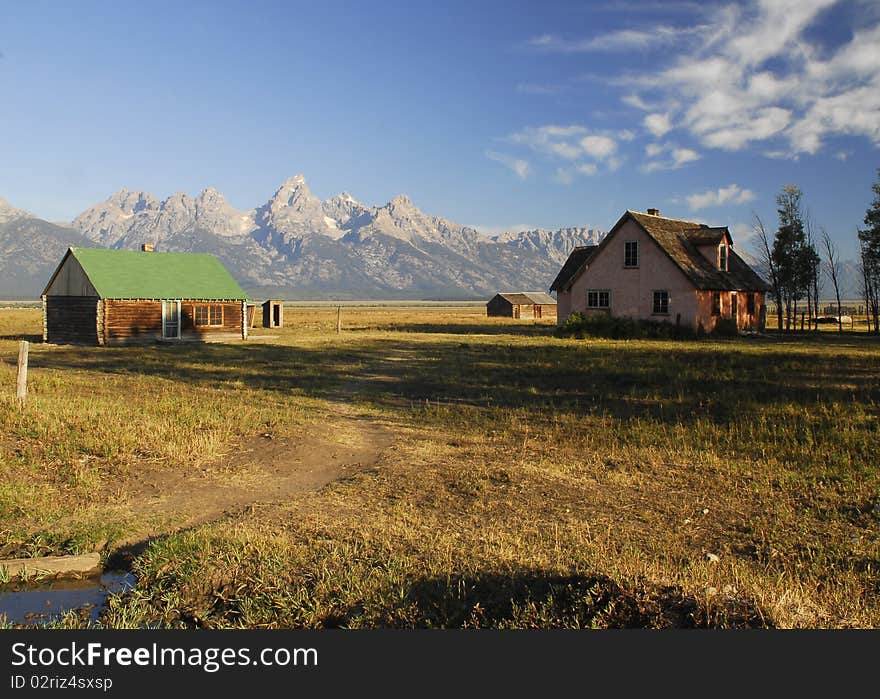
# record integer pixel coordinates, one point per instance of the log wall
(71, 320)
(132, 321)
(232, 320)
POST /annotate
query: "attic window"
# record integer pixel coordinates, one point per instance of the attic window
(722, 257)
(631, 253)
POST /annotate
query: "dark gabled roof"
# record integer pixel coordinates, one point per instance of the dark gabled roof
(576, 260)
(704, 235)
(679, 240)
(125, 274)
(520, 298)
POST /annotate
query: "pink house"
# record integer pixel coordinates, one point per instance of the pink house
(649, 267)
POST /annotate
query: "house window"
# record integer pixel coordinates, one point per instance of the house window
(722, 258)
(598, 299)
(208, 315)
(661, 302)
(631, 253)
(750, 304)
(716, 303)
(734, 304)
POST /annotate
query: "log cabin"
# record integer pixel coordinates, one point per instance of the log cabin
(115, 297)
(522, 304)
(651, 267)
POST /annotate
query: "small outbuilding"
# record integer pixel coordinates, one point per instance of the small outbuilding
(273, 313)
(111, 297)
(522, 304)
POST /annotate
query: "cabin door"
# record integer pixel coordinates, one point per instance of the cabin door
(171, 320)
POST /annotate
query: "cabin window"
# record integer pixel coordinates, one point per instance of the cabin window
(722, 258)
(208, 315)
(750, 304)
(631, 253)
(734, 304)
(598, 298)
(661, 302)
(716, 303)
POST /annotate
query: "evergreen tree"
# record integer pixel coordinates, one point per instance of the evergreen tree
(869, 245)
(791, 254)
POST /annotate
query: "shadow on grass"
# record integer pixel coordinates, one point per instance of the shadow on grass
(540, 599)
(516, 328)
(33, 339)
(672, 382)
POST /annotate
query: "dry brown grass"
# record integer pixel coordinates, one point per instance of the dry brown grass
(535, 481)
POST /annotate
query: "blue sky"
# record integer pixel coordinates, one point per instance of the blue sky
(500, 115)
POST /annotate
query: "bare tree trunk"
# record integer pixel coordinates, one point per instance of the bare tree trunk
(866, 289)
(832, 266)
(767, 259)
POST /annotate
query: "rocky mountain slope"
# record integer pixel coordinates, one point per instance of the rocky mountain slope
(297, 246)
(30, 249)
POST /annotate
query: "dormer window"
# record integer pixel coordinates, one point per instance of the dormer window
(722, 257)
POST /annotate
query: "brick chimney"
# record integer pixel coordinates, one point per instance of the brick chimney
(147, 247)
(653, 212)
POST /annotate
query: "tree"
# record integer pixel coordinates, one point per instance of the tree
(765, 254)
(794, 258)
(812, 269)
(832, 269)
(869, 248)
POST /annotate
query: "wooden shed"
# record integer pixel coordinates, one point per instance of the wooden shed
(522, 304)
(273, 313)
(111, 297)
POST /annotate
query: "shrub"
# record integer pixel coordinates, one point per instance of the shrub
(582, 325)
(725, 327)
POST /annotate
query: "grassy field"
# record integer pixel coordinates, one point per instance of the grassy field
(529, 481)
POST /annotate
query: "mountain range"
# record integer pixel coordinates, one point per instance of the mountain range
(297, 246)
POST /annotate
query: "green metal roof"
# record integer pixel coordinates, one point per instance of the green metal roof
(126, 274)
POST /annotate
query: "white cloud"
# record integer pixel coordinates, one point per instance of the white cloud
(634, 100)
(676, 157)
(842, 155)
(567, 175)
(598, 147)
(658, 124)
(519, 167)
(753, 76)
(742, 233)
(620, 40)
(732, 194)
(573, 143)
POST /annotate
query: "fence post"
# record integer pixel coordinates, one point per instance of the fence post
(338, 319)
(21, 382)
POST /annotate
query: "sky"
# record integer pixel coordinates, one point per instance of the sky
(500, 115)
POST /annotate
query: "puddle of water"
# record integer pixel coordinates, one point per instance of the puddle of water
(40, 604)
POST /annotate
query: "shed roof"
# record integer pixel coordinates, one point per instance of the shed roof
(126, 274)
(576, 259)
(519, 298)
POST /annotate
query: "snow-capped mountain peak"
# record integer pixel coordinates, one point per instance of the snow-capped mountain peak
(295, 242)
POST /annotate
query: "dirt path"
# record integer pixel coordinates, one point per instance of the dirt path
(265, 468)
